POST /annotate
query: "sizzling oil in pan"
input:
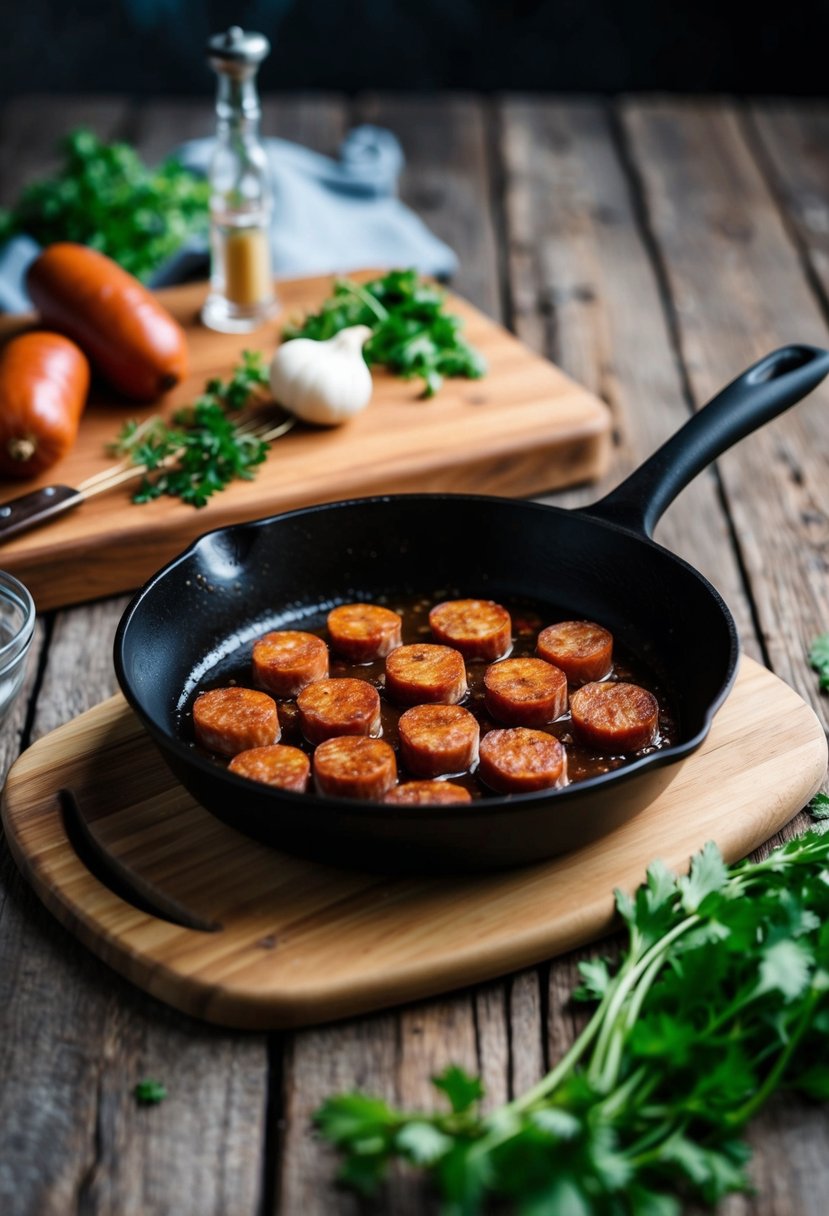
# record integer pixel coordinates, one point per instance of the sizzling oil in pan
(527, 620)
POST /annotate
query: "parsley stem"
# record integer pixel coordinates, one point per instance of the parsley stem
(621, 989)
(743, 1113)
(370, 301)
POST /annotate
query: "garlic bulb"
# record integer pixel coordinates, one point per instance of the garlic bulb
(323, 382)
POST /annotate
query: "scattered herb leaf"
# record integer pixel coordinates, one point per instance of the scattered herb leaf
(412, 335)
(819, 659)
(819, 806)
(149, 1093)
(720, 999)
(105, 196)
(204, 450)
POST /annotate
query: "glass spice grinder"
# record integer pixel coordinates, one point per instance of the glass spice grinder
(241, 280)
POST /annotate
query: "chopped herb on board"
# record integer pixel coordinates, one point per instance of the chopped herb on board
(149, 1093)
(720, 999)
(412, 334)
(204, 450)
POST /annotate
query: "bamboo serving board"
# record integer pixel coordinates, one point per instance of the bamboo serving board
(290, 942)
(522, 429)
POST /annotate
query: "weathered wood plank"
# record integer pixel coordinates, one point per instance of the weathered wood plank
(790, 139)
(75, 1038)
(739, 291)
(448, 181)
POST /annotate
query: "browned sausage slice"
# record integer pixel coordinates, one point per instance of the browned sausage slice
(427, 793)
(425, 673)
(363, 632)
(519, 760)
(355, 767)
(525, 692)
(231, 720)
(615, 718)
(328, 708)
(582, 649)
(436, 739)
(479, 629)
(287, 768)
(286, 660)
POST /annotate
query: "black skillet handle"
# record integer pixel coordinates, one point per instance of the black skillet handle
(768, 388)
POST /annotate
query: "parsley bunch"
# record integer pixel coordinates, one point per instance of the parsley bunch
(106, 197)
(721, 998)
(412, 335)
(205, 449)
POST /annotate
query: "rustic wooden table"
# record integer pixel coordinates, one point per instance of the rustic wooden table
(652, 248)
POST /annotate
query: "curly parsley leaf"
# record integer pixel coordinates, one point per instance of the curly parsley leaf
(412, 335)
(204, 450)
(105, 196)
(149, 1093)
(462, 1090)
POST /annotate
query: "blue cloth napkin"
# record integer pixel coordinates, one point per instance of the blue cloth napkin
(328, 216)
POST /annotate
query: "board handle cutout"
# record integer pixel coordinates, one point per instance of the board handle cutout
(118, 878)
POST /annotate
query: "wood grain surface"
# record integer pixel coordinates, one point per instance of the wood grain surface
(567, 216)
(523, 428)
(294, 942)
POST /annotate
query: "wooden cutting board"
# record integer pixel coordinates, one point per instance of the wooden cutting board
(291, 942)
(522, 429)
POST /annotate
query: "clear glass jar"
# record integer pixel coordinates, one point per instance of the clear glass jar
(241, 278)
(17, 627)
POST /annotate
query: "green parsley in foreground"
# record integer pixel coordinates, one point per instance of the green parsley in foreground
(412, 334)
(720, 999)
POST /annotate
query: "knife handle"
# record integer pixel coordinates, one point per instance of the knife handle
(19, 514)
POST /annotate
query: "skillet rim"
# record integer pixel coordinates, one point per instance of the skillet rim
(478, 807)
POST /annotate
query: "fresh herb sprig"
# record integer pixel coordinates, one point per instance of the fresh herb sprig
(105, 196)
(204, 450)
(819, 659)
(149, 1092)
(721, 998)
(412, 334)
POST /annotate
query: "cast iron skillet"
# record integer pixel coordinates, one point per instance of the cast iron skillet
(233, 584)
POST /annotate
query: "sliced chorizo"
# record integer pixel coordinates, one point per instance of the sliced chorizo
(525, 692)
(286, 768)
(364, 632)
(287, 660)
(479, 629)
(353, 766)
(427, 793)
(425, 674)
(437, 739)
(614, 717)
(232, 720)
(519, 760)
(582, 649)
(328, 708)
